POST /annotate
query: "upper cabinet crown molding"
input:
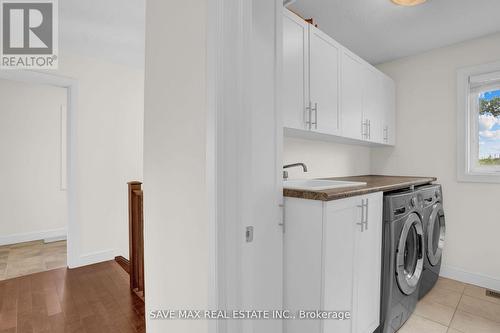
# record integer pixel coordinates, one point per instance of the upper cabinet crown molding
(329, 92)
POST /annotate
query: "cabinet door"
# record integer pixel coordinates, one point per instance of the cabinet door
(367, 267)
(373, 100)
(389, 108)
(324, 56)
(338, 260)
(302, 261)
(352, 96)
(295, 71)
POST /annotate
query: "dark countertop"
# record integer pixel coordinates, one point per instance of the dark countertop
(374, 183)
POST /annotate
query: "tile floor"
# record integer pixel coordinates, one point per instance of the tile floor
(31, 257)
(455, 307)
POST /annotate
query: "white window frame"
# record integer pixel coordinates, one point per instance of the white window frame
(468, 124)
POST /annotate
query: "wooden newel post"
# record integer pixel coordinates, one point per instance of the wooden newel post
(136, 237)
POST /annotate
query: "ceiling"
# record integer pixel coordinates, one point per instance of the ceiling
(379, 31)
(108, 29)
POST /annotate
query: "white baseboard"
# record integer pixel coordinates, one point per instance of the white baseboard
(95, 257)
(471, 278)
(57, 235)
(54, 239)
(32, 236)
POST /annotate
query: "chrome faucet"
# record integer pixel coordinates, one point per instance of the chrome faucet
(285, 173)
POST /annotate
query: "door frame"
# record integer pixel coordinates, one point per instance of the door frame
(71, 85)
(229, 28)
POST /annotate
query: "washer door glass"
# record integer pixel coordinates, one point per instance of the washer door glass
(410, 259)
(435, 234)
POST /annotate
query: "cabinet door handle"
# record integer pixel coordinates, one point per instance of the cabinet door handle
(308, 116)
(366, 215)
(282, 222)
(364, 129)
(315, 110)
(362, 223)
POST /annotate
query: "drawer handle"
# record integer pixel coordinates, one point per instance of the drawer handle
(364, 215)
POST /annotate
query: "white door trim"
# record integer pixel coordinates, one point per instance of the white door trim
(71, 85)
(214, 82)
(229, 32)
(224, 96)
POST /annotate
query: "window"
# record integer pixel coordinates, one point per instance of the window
(479, 123)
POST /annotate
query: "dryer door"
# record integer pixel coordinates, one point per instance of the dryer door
(435, 234)
(410, 256)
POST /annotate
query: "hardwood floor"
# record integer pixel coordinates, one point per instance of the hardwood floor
(31, 257)
(89, 299)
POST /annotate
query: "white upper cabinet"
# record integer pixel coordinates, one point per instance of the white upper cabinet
(373, 104)
(324, 59)
(352, 96)
(295, 71)
(389, 135)
(379, 110)
(330, 90)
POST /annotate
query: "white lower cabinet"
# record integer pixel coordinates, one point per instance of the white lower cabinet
(333, 262)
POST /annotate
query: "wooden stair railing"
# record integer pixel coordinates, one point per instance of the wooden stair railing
(136, 238)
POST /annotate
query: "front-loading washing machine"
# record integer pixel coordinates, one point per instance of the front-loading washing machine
(434, 234)
(403, 258)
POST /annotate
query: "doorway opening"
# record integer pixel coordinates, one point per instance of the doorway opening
(35, 145)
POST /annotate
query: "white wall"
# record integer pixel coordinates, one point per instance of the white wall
(175, 139)
(325, 159)
(427, 145)
(32, 203)
(109, 151)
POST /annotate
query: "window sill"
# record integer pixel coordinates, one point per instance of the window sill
(480, 177)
